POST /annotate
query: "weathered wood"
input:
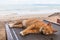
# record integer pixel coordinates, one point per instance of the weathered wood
(9, 35)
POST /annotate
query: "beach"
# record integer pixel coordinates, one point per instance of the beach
(11, 10)
(13, 17)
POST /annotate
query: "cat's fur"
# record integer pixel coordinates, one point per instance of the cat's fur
(34, 26)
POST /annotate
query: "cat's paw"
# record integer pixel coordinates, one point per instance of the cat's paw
(22, 33)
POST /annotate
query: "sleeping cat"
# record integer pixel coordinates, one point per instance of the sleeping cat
(34, 26)
(37, 26)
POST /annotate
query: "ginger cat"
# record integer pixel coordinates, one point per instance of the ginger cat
(37, 26)
(34, 26)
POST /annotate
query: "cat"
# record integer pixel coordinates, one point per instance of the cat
(37, 26)
(34, 26)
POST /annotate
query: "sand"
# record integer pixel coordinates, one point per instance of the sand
(2, 31)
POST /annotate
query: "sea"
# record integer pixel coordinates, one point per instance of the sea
(24, 9)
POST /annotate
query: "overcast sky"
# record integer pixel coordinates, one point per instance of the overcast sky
(29, 1)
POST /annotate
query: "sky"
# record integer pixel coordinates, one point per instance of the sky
(29, 2)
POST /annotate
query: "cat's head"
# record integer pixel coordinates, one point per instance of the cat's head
(48, 29)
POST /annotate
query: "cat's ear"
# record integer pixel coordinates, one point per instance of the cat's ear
(49, 24)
